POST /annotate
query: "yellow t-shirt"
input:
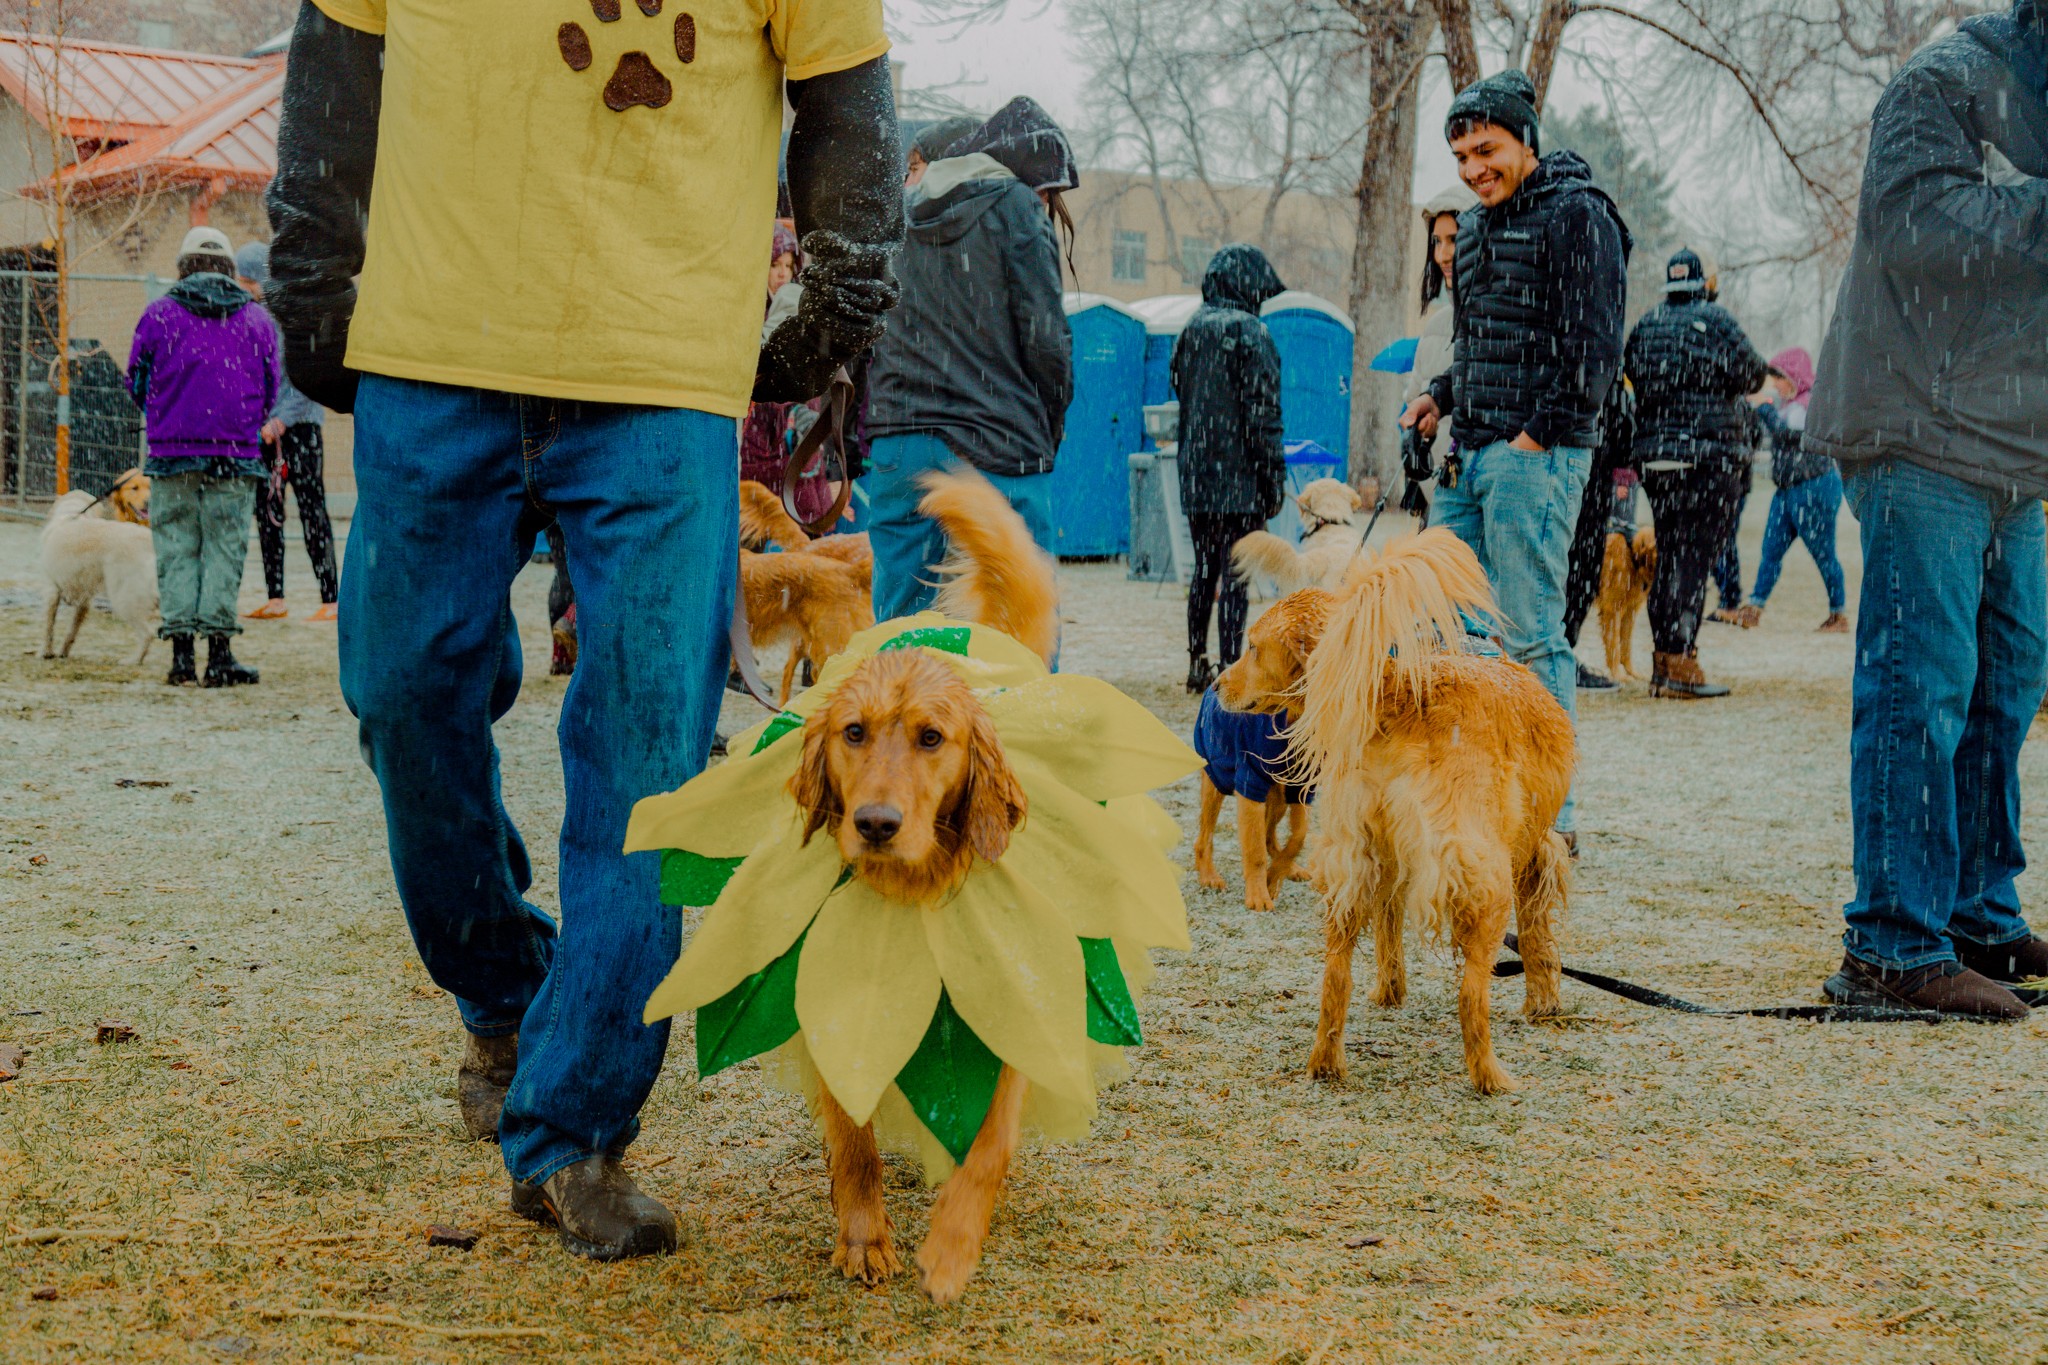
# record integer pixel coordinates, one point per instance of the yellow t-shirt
(574, 198)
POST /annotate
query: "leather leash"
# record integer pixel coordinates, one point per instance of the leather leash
(829, 429)
(1819, 1014)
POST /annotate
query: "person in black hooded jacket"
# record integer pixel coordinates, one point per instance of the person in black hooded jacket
(977, 363)
(1233, 472)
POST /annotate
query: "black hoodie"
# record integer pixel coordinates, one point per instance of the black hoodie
(1540, 292)
(1935, 352)
(977, 352)
(1226, 372)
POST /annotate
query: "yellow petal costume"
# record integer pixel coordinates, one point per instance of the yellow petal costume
(908, 1014)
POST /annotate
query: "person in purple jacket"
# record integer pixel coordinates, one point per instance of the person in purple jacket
(204, 368)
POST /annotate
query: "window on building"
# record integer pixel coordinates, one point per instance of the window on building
(1127, 257)
(1194, 256)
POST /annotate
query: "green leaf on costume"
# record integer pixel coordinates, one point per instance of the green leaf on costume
(950, 1080)
(1112, 1015)
(692, 879)
(782, 724)
(756, 1016)
(951, 639)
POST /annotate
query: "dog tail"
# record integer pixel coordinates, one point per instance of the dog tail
(995, 574)
(763, 518)
(1264, 554)
(1398, 612)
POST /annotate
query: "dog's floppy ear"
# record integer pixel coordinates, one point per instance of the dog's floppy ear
(1307, 614)
(811, 784)
(992, 804)
(1357, 498)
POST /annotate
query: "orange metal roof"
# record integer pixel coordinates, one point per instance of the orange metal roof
(231, 138)
(112, 91)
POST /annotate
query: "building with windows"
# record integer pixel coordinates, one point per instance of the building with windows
(1134, 239)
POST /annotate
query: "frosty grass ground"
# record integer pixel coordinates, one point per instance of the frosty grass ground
(281, 1131)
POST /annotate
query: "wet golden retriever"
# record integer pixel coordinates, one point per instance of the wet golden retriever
(1440, 773)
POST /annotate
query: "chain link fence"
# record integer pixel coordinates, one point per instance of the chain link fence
(106, 426)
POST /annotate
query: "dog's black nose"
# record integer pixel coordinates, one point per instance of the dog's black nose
(878, 824)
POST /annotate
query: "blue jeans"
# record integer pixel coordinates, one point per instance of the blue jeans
(906, 545)
(1805, 511)
(1517, 509)
(1951, 663)
(452, 486)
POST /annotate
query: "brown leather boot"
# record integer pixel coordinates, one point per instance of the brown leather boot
(602, 1214)
(1948, 987)
(1679, 676)
(481, 1082)
(2023, 959)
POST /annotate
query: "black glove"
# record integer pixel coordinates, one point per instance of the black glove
(848, 288)
(315, 329)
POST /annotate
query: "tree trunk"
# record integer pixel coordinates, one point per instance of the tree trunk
(1461, 51)
(1544, 47)
(1380, 279)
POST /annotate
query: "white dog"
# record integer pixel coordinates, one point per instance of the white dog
(1329, 542)
(85, 554)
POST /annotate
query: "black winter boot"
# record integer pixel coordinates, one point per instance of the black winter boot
(1200, 673)
(182, 669)
(221, 668)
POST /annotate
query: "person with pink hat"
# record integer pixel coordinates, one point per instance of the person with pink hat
(1808, 496)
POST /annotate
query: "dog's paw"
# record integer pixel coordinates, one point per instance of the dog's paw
(1257, 895)
(1389, 995)
(1207, 876)
(868, 1262)
(1489, 1077)
(943, 1271)
(1326, 1063)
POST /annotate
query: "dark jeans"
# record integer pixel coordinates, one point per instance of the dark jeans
(453, 485)
(1951, 663)
(1214, 582)
(1694, 511)
(1728, 568)
(1598, 509)
(301, 453)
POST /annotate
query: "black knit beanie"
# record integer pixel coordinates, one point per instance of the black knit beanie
(1506, 99)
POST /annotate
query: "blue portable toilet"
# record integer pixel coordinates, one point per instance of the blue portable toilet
(1314, 338)
(1164, 316)
(1091, 492)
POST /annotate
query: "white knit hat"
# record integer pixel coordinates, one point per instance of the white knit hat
(208, 241)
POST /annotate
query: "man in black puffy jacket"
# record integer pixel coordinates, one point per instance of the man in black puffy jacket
(559, 318)
(1692, 369)
(1932, 394)
(1539, 289)
(1233, 470)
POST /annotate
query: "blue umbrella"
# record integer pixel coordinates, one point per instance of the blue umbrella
(1398, 358)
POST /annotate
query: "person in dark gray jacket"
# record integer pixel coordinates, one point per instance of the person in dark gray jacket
(977, 363)
(1932, 395)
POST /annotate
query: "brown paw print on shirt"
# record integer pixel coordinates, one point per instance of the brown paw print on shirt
(635, 79)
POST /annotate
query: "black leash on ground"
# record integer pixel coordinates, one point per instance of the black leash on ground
(1818, 1014)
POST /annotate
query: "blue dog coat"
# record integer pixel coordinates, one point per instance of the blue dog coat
(1243, 752)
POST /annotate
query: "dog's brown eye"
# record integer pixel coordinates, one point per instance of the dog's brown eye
(931, 739)
(855, 733)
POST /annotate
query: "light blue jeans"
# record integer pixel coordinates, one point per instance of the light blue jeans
(1951, 663)
(1517, 509)
(1805, 511)
(452, 486)
(906, 545)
